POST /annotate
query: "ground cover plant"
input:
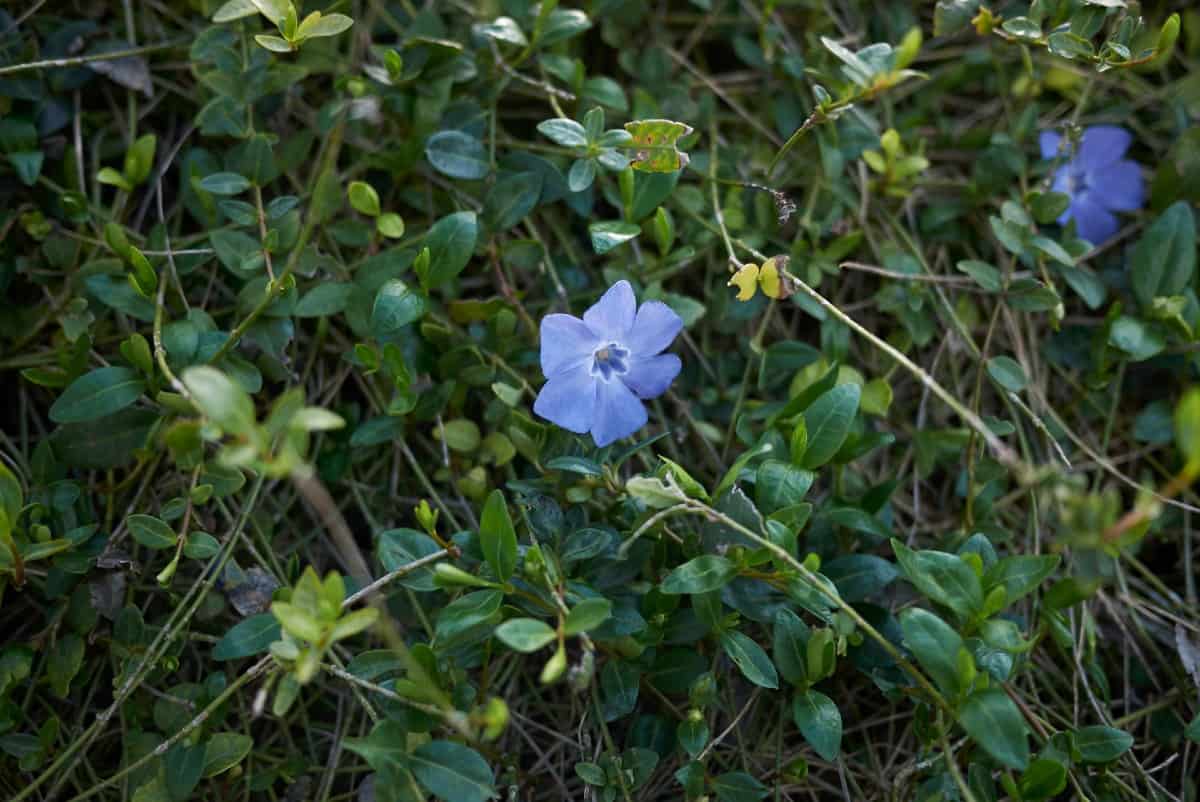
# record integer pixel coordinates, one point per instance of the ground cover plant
(615, 400)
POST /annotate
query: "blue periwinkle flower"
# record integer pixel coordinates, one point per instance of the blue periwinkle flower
(600, 368)
(1098, 179)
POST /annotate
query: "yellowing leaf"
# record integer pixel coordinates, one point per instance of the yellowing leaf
(746, 280)
(654, 145)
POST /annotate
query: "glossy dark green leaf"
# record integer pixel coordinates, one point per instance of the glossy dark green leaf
(738, 786)
(750, 659)
(151, 532)
(511, 199)
(945, 578)
(100, 392)
(451, 241)
(702, 574)
(248, 637)
(458, 155)
(819, 721)
(497, 537)
(935, 645)
(1101, 744)
(396, 305)
(828, 420)
(992, 719)
(452, 771)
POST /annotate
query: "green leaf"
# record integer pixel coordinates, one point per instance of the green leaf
(224, 751)
(619, 685)
(855, 68)
(325, 299)
(703, 574)
(390, 225)
(858, 576)
(945, 578)
(497, 537)
(609, 234)
(692, 735)
(587, 615)
(985, 275)
(579, 465)
(992, 719)
(935, 645)
(385, 748)
(561, 24)
(139, 159)
(737, 786)
(1100, 744)
(750, 658)
(318, 25)
(1008, 373)
(12, 499)
(222, 400)
(234, 10)
(396, 305)
(451, 241)
(567, 133)
(364, 198)
(1045, 779)
(790, 646)
(151, 532)
(525, 634)
(114, 178)
(1069, 46)
(63, 662)
(511, 199)
(97, 393)
(1164, 259)
(458, 155)
(353, 623)
(399, 547)
(819, 721)
(1138, 339)
(224, 183)
(1024, 28)
(28, 165)
(274, 10)
(502, 29)
(273, 43)
(828, 420)
(1020, 574)
(452, 771)
(248, 637)
(1193, 730)
(466, 612)
(780, 484)
(654, 145)
(184, 766)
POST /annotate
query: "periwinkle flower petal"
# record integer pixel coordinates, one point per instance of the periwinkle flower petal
(599, 369)
(1093, 222)
(1049, 142)
(569, 399)
(1101, 145)
(1124, 188)
(618, 413)
(650, 377)
(612, 316)
(1097, 178)
(655, 327)
(566, 343)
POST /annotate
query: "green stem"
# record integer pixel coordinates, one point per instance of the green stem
(75, 61)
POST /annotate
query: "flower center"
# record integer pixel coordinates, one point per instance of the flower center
(1076, 182)
(609, 361)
